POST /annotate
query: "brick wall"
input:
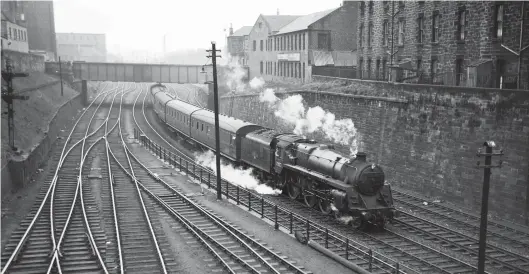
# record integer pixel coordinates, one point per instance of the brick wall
(480, 40)
(24, 62)
(426, 137)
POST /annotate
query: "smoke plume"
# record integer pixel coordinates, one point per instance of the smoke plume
(257, 83)
(235, 75)
(237, 176)
(292, 111)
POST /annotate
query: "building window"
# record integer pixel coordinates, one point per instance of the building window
(254, 45)
(291, 42)
(368, 68)
(303, 72)
(460, 72)
(361, 68)
(370, 35)
(361, 35)
(303, 41)
(261, 67)
(295, 42)
(499, 21)
(420, 29)
(385, 69)
(385, 33)
(401, 33)
(433, 69)
(323, 41)
(378, 75)
(261, 45)
(299, 42)
(462, 25)
(362, 7)
(435, 27)
(419, 65)
(371, 3)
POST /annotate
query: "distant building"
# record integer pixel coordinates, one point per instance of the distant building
(82, 47)
(14, 32)
(294, 45)
(40, 24)
(444, 42)
(238, 44)
(264, 27)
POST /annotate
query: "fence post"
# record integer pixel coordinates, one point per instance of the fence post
(347, 248)
(187, 167)
(180, 160)
(249, 201)
(291, 221)
(227, 188)
(370, 259)
(238, 201)
(308, 230)
(397, 268)
(326, 237)
(209, 180)
(200, 179)
(262, 207)
(276, 223)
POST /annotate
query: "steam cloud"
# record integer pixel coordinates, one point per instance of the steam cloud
(238, 176)
(235, 75)
(257, 83)
(292, 111)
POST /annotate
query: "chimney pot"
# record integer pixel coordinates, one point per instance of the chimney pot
(362, 156)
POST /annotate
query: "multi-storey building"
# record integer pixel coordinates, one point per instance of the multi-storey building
(320, 39)
(238, 44)
(14, 32)
(459, 43)
(82, 47)
(41, 27)
(264, 27)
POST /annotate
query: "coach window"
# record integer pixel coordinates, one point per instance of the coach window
(202, 127)
(197, 125)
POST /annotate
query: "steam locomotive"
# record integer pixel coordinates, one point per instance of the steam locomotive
(352, 189)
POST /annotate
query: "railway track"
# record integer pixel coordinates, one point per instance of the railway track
(59, 214)
(233, 250)
(497, 234)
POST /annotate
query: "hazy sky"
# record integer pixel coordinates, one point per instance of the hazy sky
(141, 25)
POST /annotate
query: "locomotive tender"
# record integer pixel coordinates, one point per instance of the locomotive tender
(304, 169)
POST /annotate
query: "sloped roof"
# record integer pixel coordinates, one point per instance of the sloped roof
(276, 22)
(303, 22)
(242, 31)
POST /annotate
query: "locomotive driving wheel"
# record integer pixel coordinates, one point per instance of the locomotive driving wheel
(293, 190)
(325, 206)
(308, 195)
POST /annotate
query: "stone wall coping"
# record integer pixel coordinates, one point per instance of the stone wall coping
(463, 89)
(388, 99)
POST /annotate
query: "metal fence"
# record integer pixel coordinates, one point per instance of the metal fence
(341, 72)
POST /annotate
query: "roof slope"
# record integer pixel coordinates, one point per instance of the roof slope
(242, 31)
(303, 22)
(276, 22)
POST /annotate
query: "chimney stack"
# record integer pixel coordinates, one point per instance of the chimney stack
(231, 29)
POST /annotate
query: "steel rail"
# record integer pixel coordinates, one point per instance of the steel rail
(467, 215)
(236, 234)
(56, 252)
(24, 238)
(55, 178)
(113, 198)
(145, 213)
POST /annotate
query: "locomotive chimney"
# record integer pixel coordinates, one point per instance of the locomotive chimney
(362, 156)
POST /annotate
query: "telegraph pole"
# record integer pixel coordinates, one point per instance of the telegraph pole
(8, 96)
(60, 75)
(489, 145)
(216, 103)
